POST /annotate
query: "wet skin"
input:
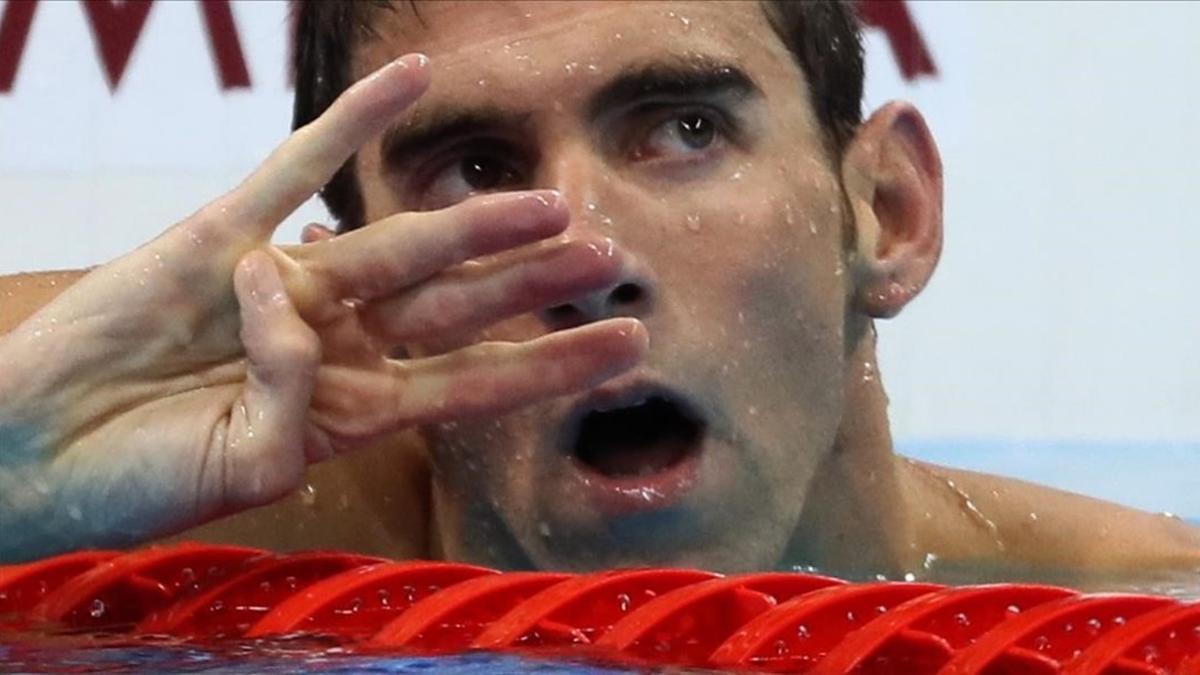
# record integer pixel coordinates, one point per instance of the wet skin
(725, 207)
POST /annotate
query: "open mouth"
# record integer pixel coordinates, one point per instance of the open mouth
(638, 434)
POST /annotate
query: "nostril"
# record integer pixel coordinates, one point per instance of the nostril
(563, 315)
(626, 294)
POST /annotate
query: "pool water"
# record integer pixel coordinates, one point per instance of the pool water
(41, 656)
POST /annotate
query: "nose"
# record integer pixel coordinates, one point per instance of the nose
(594, 214)
(632, 294)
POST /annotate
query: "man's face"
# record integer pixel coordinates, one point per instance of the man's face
(684, 135)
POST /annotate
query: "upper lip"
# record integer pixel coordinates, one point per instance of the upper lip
(616, 396)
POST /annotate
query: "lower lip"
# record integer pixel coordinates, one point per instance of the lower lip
(616, 496)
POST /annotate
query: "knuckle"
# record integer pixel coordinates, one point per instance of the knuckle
(298, 349)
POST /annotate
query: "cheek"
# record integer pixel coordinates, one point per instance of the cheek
(771, 299)
(775, 263)
(487, 459)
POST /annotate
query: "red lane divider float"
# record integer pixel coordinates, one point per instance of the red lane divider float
(773, 622)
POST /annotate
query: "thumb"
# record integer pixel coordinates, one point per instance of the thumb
(265, 444)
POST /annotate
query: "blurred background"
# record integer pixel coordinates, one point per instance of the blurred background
(1056, 342)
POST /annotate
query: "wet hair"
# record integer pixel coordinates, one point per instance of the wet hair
(823, 36)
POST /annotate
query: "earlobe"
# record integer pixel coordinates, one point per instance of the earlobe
(892, 175)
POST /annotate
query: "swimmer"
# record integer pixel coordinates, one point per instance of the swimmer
(601, 291)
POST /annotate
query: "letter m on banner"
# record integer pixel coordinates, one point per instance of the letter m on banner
(116, 26)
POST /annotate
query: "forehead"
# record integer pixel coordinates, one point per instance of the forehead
(495, 49)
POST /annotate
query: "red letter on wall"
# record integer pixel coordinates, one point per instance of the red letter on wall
(226, 47)
(116, 27)
(14, 29)
(908, 47)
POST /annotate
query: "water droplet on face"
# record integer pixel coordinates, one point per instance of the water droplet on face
(909, 576)
(930, 559)
(308, 495)
(693, 223)
(75, 513)
(544, 529)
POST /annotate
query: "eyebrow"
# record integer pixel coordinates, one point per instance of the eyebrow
(437, 124)
(696, 76)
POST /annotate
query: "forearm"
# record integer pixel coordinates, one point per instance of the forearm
(23, 294)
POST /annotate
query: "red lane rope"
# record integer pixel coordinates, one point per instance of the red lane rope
(773, 622)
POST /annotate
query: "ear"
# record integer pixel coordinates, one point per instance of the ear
(892, 175)
(314, 232)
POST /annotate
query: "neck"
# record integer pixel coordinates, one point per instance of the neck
(855, 521)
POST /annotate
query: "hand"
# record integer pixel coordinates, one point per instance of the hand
(201, 373)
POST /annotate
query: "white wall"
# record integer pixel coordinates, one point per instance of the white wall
(1064, 307)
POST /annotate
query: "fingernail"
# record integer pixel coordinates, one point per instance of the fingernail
(415, 60)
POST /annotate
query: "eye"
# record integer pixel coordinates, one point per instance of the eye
(682, 134)
(467, 175)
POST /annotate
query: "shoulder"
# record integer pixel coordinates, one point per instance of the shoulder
(375, 501)
(1040, 532)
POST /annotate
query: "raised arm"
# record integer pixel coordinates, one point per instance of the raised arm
(200, 374)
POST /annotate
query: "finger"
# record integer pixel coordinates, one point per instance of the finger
(264, 444)
(468, 298)
(485, 379)
(395, 253)
(315, 232)
(310, 156)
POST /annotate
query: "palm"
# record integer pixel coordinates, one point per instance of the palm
(202, 373)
